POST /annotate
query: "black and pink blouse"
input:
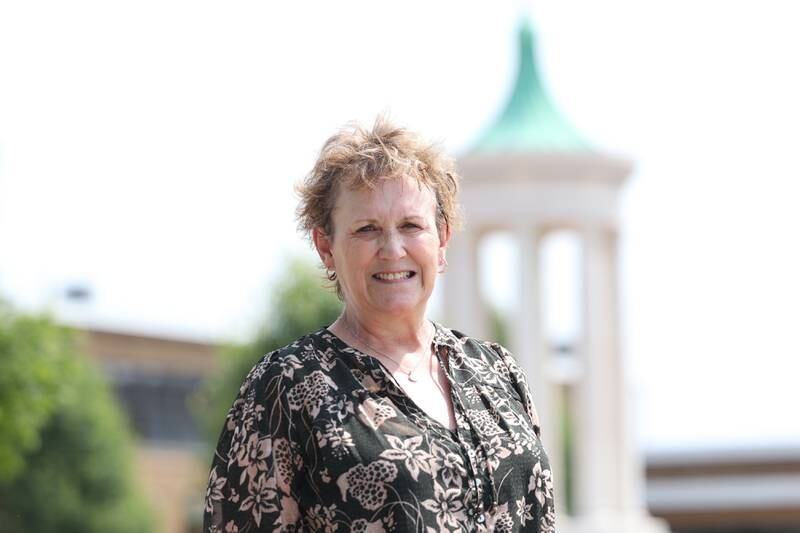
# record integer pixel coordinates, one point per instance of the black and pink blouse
(321, 438)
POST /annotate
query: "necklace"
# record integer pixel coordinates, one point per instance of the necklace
(409, 373)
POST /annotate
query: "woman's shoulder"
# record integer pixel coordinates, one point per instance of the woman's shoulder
(471, 346)
(494, 363)
(313, 352)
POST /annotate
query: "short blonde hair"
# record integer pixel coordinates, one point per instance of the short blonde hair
(357, 157)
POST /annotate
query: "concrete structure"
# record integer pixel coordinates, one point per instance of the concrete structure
(531, 174)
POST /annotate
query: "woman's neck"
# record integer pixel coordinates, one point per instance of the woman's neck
(392, 337)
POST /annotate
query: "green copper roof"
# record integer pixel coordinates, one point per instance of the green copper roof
(530, 121)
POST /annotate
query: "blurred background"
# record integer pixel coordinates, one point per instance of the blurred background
(148, 253)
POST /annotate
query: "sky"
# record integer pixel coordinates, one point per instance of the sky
(148, 150)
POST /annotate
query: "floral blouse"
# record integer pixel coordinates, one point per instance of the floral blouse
(321, 438)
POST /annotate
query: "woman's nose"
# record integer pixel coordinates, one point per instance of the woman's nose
(392, 246)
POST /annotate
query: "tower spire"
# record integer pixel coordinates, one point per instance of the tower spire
(530, 121)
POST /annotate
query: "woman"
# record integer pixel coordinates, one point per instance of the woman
(383, 421)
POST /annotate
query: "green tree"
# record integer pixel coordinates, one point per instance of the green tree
(65, 463)
(300, 305)
(31, 364)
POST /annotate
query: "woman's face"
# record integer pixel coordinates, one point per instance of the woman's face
(385, 247)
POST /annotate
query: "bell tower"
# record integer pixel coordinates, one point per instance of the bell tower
(531, 174)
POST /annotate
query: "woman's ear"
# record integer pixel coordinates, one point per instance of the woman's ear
(444, 239)
(444, 236)
(324, 246)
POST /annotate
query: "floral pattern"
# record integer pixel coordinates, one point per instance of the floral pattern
(321, 438)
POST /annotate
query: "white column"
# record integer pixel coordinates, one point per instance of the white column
(598, 451)
(606, 468)
(527, 343)
(464, 309)
(530, 348)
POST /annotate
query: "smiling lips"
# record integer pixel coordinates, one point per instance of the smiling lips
(394, 276)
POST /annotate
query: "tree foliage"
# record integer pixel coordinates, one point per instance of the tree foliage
(299, 306)
(31, 363)
(64, 448)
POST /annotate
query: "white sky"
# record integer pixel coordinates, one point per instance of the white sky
(149, 149)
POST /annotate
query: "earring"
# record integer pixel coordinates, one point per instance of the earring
(442, 265)
(330, 274)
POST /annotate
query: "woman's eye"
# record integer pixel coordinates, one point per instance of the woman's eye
(411, 225)
(366, 229)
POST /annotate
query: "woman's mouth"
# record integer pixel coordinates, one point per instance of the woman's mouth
(394, 276)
